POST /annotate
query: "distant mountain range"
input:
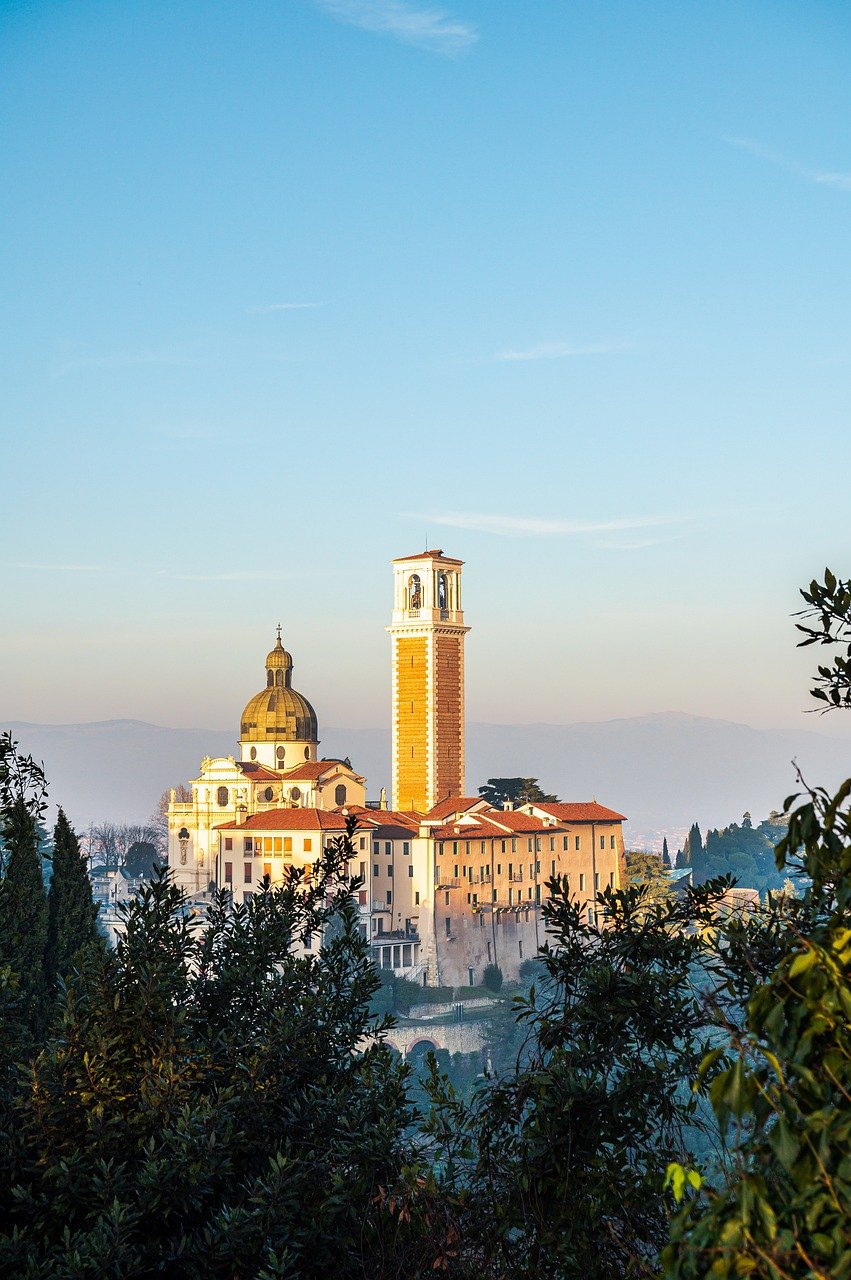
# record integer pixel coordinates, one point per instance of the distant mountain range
(663, 771)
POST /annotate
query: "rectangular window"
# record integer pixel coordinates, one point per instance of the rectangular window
(455, 872)
(602, 842)
(537, 844)
(267, 845)
(612, 839)
(467, 847)
(552, 843)
(577, 839)
(406, 847)
(581, 881)
(469, 897)
(447, 898)
(247, 872)
(376, 870)
(363, 871)
(611, 879)
(510, 870)
(455, 847)
(388, 847)
(448, 924)
(248, 844)
(417, 898)
(267, 869)
(529, 892)
(228, 872)
(440, 846)
(502, 850)
(363, 842)
(499, 866)
(490, 953)
(529, 845)
(553, 867)
(596, 879)
(510, 896)
(390, 871)
(228, 842)
(531, 871)
(520, 946)
(277, 845)
(564, 843)
(494, 895)
(288, 844)
(538, 867)
(537, 893)
(411, 871)
(389, 897)
(376, 849)
(514, 844)
(483, 846)
(308, 844)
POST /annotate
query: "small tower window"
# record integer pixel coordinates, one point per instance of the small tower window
(307, 753)
(415, 592)
(253, 753)
(340, 794)
(280, 754)
(279, 678)
(270, 679)
(222, 796)
(442, 595)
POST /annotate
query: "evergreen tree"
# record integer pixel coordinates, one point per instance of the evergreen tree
(684, 857)
(71, 911)
(23, 902)
(666, 857)
(516, 791)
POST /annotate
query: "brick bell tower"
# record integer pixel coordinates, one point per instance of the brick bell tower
(427, 637)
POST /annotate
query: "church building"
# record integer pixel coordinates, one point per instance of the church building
(448, 884)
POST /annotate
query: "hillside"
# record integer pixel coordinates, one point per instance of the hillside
(663, 771)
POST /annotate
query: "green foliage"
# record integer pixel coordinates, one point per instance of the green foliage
(23, 902)
(516, 791)
(745, 852)
(554, 1170)
(492, 978)
(647, 870)
(666, 857)
(784, 1093)
(212, 1104)
(141, 860)
(829, 623)
(72, 914)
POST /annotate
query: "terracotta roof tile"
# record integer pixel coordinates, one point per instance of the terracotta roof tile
(434, 554)
(289, 820)
(581, 811)
(453, 804)
(257, 772)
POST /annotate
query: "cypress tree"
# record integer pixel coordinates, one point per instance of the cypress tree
(23, 920)
(71, 911)
(666, 857)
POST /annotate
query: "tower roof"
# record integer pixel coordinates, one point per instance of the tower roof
(435, 553)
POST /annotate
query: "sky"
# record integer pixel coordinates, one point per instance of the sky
(292, 287)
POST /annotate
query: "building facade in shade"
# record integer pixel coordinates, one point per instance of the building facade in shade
(427, 671)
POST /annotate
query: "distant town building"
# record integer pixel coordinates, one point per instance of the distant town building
(449, 883)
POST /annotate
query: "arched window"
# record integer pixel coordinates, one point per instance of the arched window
(280, 753)
(442, 595)
(340, 794)
(415, 592)
(307, 753)
(279, 678)
(222, 796)
(270, 679)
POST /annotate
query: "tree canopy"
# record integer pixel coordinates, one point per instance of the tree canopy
(515, 791)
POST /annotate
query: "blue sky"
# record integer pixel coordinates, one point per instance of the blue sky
(292, 287)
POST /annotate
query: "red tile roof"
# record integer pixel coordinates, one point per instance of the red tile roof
(289, 820)
(581, 811)
(512, 820)
(313, 769)
(384, 817)
(435, 554)
(481, 829)
(452, 805)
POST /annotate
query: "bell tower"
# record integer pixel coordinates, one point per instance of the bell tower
(427, 638)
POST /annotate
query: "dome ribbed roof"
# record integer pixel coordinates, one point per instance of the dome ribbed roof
(278, 713)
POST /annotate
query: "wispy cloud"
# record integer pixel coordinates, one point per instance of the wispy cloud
(534, 526)
(54, 568)
(822, 177)
(431, 29)
(561, 351)
(635, 544)
(238, 575)
(283, 306)
(123, 359)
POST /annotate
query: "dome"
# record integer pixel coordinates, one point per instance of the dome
(278, 713)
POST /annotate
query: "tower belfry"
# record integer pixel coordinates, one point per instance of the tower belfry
(427, 637)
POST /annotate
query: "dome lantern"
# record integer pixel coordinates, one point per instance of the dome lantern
(278, 715)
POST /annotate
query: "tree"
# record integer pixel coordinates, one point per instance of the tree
(71, 912)
(23, 901)
(647, 870)
(554, 1169)
(492, 978)
(666, 857)
(141, 859)
(780, 1086)
(159, 818)
(829, 623)
(111, 842)
(514, 791)
(217, 1101)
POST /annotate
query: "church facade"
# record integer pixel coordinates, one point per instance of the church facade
(448, 884)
